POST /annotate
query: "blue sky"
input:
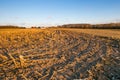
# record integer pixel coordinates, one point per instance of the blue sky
(57, 12)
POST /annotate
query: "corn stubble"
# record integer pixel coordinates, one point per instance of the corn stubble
(58, 54)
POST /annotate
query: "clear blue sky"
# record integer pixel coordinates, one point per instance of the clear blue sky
(54, 12)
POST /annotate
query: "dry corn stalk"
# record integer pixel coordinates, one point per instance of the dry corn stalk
(3, 57)
(24, 77)
(15, 63)
(22, 61)
(38, 73)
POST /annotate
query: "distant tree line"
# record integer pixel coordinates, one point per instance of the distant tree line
(34, 27)
(91, 26)
(11, 27)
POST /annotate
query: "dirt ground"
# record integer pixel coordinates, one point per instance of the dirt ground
(54, 54)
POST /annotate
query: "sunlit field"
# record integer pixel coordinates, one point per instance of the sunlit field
(59, 54)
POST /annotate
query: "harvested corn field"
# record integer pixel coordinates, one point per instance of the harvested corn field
(58, 54)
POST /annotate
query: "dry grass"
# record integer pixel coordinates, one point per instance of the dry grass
(51, 54)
